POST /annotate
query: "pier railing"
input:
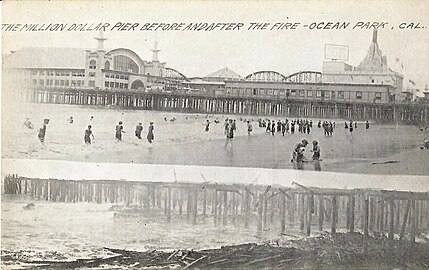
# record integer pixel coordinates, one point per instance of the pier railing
(397, 214)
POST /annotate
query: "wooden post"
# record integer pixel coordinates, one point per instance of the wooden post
(282, 213)
(413, 222)
(352, 214)
(225, 208)
(204, 202)
(404, 220)
(168, 198)
(234, 206)
(302, 212)
(309, 214)
(321, 211)
(246, 208)
(366, 217)
(381, 225)
(195, 207)
(334, 215)
(260, 212)
(372, 214)
(214, 206)
(265, 211)
(392, 219)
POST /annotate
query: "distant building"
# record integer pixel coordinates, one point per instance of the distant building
(372, 70)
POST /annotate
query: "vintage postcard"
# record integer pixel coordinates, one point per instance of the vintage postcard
(215, 135)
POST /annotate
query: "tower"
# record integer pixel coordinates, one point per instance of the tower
(155, 52)
(374, 36)
(100, 40)
(156, 70)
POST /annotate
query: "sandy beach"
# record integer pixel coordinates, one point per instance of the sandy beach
(383, 149)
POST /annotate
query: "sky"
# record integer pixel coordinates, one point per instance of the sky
(198, 53)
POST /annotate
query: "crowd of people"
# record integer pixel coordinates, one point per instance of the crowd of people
(302, 126)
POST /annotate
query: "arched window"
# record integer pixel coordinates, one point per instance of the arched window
(124, 63)
(92, 64)
(107, 65)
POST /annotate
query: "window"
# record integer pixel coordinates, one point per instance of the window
(318, 93)
(327, 94)
(107, 75)
(91, 83)
(276, 92)
(92, 64)
(62, 82)
(34, 72)
(106, 84)
(42, 82)
(340, 94)
(255, 91)
(107, 65)
(92, 74)
(112, 84)
(358, 95)
(126, 77)
(34, 82)
(377, 95)
(309, 93)
(57, 82)
(121, 77)
(67, 83)
(117, 77)
(126, 85)
(293, 93)
(301, 93)
(124, 63)
(116, 85)
(372, 80)
(121, 85)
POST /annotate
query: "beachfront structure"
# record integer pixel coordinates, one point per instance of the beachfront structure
(123, 69)
(373, 70)
(119, 77)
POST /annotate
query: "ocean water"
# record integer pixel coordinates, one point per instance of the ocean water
(185, 142)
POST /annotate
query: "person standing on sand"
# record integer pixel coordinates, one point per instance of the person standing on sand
(283, 127)
(367, 125)
(42, 131)
(225, 126)
(150, 137)
(138, 131)
(249, 128)
(298, 155)
(316, 156)
(207, 125)
(234, 125)
(88, 135)
(28, 124)
(273, 127)
(268, 126)
(119, 131)
(229, 134)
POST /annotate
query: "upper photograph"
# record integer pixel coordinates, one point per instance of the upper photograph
(293, 85)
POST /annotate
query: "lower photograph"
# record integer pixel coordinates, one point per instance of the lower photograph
(71, 215)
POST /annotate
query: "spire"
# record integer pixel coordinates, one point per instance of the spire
(100, 40)
(155, 51)
(374, 36)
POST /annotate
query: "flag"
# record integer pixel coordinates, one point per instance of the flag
(412, 82)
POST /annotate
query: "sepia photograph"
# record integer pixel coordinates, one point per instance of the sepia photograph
(215, 135)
